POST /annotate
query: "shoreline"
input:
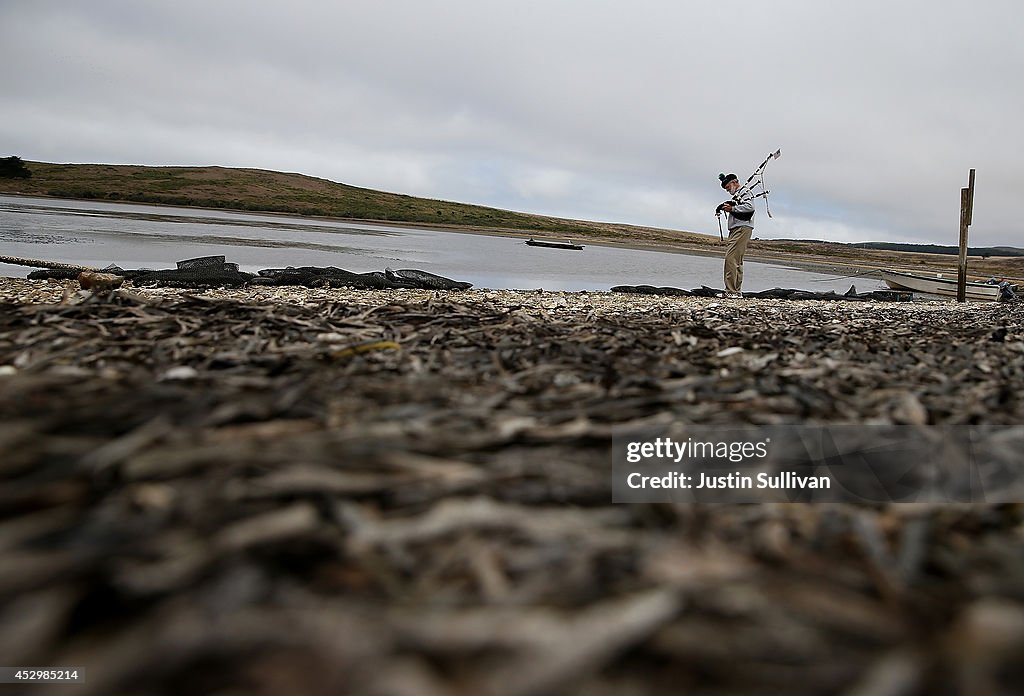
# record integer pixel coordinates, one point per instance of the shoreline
(713, 249)
(568, 306)
(869, 260)
(716, 250)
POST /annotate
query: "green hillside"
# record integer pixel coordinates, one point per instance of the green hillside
(297, 194)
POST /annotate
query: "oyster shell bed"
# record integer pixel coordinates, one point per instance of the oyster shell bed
(321, 491)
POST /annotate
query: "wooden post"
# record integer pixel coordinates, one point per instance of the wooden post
(970, 198)
(966, 213)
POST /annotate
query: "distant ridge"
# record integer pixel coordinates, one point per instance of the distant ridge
(941, 249)
(925, 248)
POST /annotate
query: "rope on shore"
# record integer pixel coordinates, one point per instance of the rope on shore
(55, 265)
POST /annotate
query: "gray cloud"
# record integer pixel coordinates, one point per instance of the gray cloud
(613, 111)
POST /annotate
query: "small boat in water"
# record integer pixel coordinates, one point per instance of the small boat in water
(939, 285)
(568, 244)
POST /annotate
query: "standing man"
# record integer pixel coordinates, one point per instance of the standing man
(741, 225)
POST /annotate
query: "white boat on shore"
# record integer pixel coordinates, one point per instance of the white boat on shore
(939, 285)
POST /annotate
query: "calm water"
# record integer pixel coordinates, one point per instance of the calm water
(141, 236)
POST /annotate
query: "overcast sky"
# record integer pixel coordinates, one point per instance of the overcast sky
(615, 111)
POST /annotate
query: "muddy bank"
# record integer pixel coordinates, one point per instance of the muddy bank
(406, 492)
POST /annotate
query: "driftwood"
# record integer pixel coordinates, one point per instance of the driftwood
(215, 272)
(39, 263)
(317, 491)
(850, 295)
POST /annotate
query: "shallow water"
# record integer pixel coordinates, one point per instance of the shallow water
(141, 236)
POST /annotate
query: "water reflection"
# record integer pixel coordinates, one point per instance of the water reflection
(133, 236)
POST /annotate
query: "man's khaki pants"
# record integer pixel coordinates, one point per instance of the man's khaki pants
(738, 238)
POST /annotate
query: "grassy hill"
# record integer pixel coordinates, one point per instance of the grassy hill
(297, 194)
